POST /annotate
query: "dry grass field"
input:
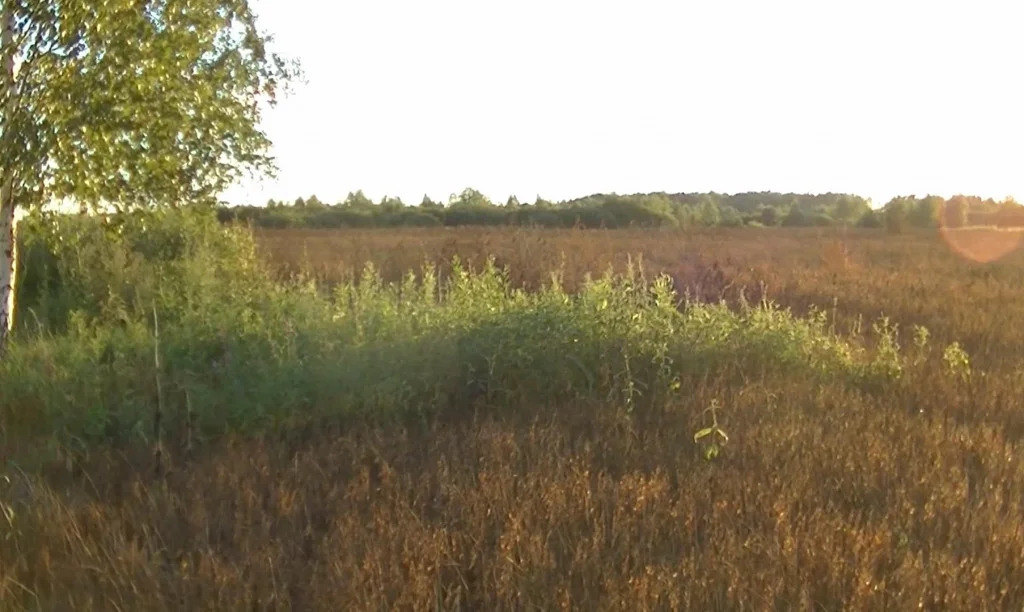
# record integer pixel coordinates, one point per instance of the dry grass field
(827, 496)
(942, 281)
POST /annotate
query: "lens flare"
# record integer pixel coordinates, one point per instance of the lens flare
(982, 244)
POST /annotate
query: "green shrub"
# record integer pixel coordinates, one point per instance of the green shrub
(242, 352)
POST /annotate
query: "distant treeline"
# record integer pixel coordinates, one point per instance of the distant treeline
(959, 211)
(680, 210)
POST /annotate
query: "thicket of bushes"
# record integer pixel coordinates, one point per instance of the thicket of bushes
(103, 298)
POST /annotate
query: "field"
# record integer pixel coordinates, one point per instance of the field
(943, 283)
(708, 420)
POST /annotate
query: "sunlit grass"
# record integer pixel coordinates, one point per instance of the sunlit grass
(489, 420)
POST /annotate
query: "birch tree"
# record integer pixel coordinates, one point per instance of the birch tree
(127, 103)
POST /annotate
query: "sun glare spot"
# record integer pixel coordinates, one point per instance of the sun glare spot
(982, 244)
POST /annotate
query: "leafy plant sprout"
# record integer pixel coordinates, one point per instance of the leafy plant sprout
(714, 436)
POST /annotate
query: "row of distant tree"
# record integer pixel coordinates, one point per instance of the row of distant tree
(959, 211)
(680, 210)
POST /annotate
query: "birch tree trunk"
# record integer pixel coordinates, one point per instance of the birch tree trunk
(8, 263)
(8, 246)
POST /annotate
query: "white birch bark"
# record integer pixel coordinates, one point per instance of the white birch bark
(8, 245)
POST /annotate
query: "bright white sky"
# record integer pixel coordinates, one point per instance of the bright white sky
(564, 98)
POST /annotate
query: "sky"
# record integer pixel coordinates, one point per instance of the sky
(564, 98)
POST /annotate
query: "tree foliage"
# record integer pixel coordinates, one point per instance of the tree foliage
(135, 102)
(471, 207)
(908, 212)
(653, 210)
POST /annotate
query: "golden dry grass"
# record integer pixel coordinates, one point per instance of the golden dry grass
(913, 279)
(824, 498)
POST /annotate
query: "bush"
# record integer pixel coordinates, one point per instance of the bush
(474, 215)
(241, 352)
(119, 267)
(871, 219)
(628, 212)
(796, 218)
(418, 218)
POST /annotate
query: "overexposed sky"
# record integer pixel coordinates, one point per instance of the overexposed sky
(564, 98)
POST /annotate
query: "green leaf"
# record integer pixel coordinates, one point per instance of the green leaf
(131, 105)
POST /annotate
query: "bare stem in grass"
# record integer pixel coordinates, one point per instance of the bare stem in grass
(159, 407)
(188, 425)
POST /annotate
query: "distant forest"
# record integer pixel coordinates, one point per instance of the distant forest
(652, 210)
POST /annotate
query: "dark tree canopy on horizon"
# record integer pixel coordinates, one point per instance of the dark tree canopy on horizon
(666, 210)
